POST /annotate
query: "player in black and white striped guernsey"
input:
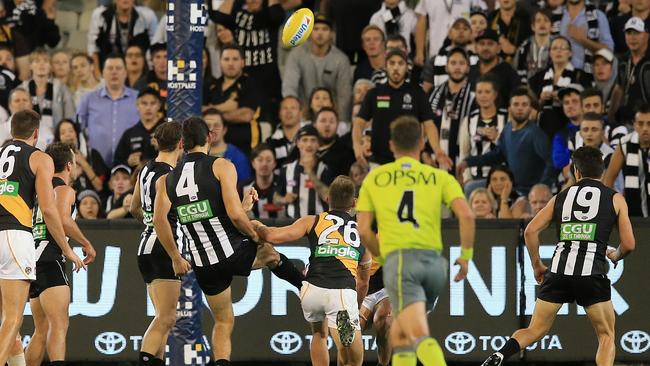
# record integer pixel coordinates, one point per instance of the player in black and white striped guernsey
(202, 191)
(585, 215)
(50, 293)
(155, 265)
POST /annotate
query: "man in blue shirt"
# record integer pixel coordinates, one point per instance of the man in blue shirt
(565, 140)
(108, 111)
(588, 30)
(219, 147)
(523, 146)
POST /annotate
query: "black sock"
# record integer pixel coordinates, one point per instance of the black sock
(510, 348)
(57, 363)
(222, 362)
(287, 271)
(146, 359)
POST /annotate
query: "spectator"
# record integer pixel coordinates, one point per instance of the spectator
(488, 48)
(235, 97)
(634, 71)
(639, 9)
(303, 184)
(18, 100)
(264, 182)
(61, 67)
(283, 140)
(479, 133)
(510, 22)
(209, 81)
(440, 15)
(83, 77)
(395, 17)
(319, 99)
(156, 79)
(532, 56)
(256, 31)
(482, 204)
(413, 72)
(135, 147)
(358, 173)
(434, 72)
(479, 22)
(564, 139)
(219, 147)
(632, 158)
(385, 103)
(136, 66)
(224, 35)
(500, 183)
(115, 27)
(522, 145)
(91, 171)
(588, 30)
(89, 205)
(118, 203)
(8, 79)
(350, 18)
(605, 66)
(538, 198)
(359, 92)
(373, 42)
(108, 111)
(592, 102)
(336, 152)
(319, 64)
(50, 98)
(451, 103)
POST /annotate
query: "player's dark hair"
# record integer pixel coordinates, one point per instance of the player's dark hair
(168, 135)
(61, 153)
(259, 149)
(591, 116)
(232, 46)
(405, 133)
(341, 193)
(195, 133)
(589, 162)
(24, 123)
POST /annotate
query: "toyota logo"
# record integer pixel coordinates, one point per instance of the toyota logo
(286, 343)
(460, 343)
(110, 343)
(635, 341)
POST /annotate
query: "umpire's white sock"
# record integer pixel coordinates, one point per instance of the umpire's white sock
(17, 360)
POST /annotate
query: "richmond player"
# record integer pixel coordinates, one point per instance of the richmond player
(337, 263)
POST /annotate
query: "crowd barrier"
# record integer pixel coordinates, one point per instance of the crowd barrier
(110, 309)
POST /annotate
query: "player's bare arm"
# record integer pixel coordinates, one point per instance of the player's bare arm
(466, 226)
(363, 276)
(540, 222)
(43, 168)
(368, 236)
(65, 199)
(284, 234)
(136, 204)
(225, 172)
(625, 232)
(162, 206)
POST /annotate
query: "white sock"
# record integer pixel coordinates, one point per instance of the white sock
(17, 360)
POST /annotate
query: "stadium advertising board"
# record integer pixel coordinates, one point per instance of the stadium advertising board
(110, 310)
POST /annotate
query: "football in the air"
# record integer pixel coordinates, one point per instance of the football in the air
(298, 28)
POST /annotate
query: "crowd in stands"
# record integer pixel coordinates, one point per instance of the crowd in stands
(505, 90)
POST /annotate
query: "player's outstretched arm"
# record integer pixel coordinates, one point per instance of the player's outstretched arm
(65, 198)
(136, 203)
(625, 232)
(536, 225)
(285, 234)
(467, 228)
(225, 172)
(368, 236)
(162, 206)
(43, 168)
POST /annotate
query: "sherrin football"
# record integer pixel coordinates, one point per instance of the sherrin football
(298, 28)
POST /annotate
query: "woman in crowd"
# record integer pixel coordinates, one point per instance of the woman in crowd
(89, 205)
(500, 182)
(360, 89)
(319, 98)
(482, 204)
(91, 169)
(478, 23)
(136, 65)
(83, 77)
(61, 67)
(224, 36)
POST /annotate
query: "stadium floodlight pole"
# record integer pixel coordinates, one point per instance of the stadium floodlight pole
(186, 21)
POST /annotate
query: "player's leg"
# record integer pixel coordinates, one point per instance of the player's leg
(351, 355)
(602, 318)
(164, 295)
(14, 294)
(35, 351)
(17, 355)
(541, 322)
(224, 322)
(382, 323)
(55, 302)
(278, 263)
(318, 351)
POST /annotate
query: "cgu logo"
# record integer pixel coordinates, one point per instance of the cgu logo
(301, 31)
(194, 211)
(578, 228)
(8, 188)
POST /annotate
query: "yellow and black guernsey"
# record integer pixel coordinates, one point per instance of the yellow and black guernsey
(335, 251)
(17, 186)
(376, 281)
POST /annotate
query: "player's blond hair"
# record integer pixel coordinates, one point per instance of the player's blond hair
(341, 193)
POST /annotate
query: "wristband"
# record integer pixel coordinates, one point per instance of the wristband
(467, 254)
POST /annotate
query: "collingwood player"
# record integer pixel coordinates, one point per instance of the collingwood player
(24, 173)
(50, 293)
(585, 215)
(336, 264)
(155, 265)
(202, 191)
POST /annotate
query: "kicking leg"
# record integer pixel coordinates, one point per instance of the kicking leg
(279, 264)
(224, 322)
(14, 294)
(35, 351)
(55, 302)
(602, 318)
